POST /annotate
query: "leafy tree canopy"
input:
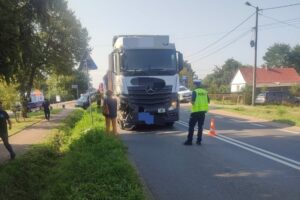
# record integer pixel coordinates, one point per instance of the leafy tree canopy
(277, 55)
(188, 73)
(294, 58)
(62, 85)
(38, 38)
(219, 81)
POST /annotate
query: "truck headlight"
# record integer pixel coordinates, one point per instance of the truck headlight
(173, 105)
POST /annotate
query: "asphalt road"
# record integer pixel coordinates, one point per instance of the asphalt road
(246, 160)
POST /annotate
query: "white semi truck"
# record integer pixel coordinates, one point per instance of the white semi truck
(144, 75)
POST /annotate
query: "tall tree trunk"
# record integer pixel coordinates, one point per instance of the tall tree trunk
(26, 91)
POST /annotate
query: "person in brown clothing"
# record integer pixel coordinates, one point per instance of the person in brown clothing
(110, 111)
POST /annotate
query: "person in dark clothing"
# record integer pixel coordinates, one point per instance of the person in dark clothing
(200, 101)
(4, 120)
(110, 111)
(46, 106)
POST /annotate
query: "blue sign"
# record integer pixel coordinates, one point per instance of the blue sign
(88, 62)
(146, 117)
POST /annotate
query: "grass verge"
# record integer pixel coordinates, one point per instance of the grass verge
(276, 113)
(78, 162)
(33, 118)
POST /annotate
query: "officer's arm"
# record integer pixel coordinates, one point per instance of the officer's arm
(208, 99)
(193, 97)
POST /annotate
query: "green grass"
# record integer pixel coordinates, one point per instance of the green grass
(78, 162)
(33, 117)
(277, 113)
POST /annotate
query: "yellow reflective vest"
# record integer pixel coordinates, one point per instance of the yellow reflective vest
(201, 101)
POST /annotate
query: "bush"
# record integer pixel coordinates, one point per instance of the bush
(247, 91)
(79, 162)
(25, 177)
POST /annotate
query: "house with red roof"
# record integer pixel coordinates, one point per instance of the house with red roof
(270, 78)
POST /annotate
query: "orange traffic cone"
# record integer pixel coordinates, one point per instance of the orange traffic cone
(212, 131)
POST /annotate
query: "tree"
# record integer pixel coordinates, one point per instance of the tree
(48, 39)
(294, 58)
(62, 85)
(9, 33)
(188, 73)
(278, 55)
(219, 81)
(8, 94)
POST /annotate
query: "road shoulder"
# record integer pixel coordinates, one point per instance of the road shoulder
(34, 134)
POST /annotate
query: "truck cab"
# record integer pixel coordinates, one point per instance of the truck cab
(143, 74)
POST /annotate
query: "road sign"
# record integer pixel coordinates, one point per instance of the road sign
(88, 63)
(57, 98)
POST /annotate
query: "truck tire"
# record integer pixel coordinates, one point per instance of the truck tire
(127, 127)
(121, 124)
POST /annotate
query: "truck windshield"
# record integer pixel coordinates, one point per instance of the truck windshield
(149, 61)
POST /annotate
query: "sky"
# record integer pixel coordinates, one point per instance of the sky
(194, 26)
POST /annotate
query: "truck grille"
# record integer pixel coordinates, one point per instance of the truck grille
(140, 95)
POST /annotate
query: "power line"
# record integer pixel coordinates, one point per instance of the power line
(282, 22)
(277, 26)
(284, 6)
(208, 46)
(198, 35)
(266, 27)
(223, 47)
(293, 20)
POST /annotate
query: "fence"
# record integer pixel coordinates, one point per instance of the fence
(229, 98)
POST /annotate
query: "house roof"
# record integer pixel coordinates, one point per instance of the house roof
(271, 75)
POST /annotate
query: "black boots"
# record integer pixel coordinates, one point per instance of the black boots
(187, 143)
(190, 143)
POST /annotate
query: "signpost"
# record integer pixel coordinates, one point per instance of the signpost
(75, 87)
(58, 98)
(89, 64)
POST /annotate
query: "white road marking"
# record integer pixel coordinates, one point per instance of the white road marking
(284, 130)
(261, 154)
(238, 121)
(259, 151)
(255, 124)
(262, 150)
(219, 117)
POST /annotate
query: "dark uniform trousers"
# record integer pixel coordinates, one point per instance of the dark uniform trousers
(196, 117)
(4, 137)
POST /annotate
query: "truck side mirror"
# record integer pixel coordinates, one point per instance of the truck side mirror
(180, 61)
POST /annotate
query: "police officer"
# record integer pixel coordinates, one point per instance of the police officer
(200, 101)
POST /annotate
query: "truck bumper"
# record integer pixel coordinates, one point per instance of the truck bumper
(149, 118)
(156, 118)
(154, 109)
